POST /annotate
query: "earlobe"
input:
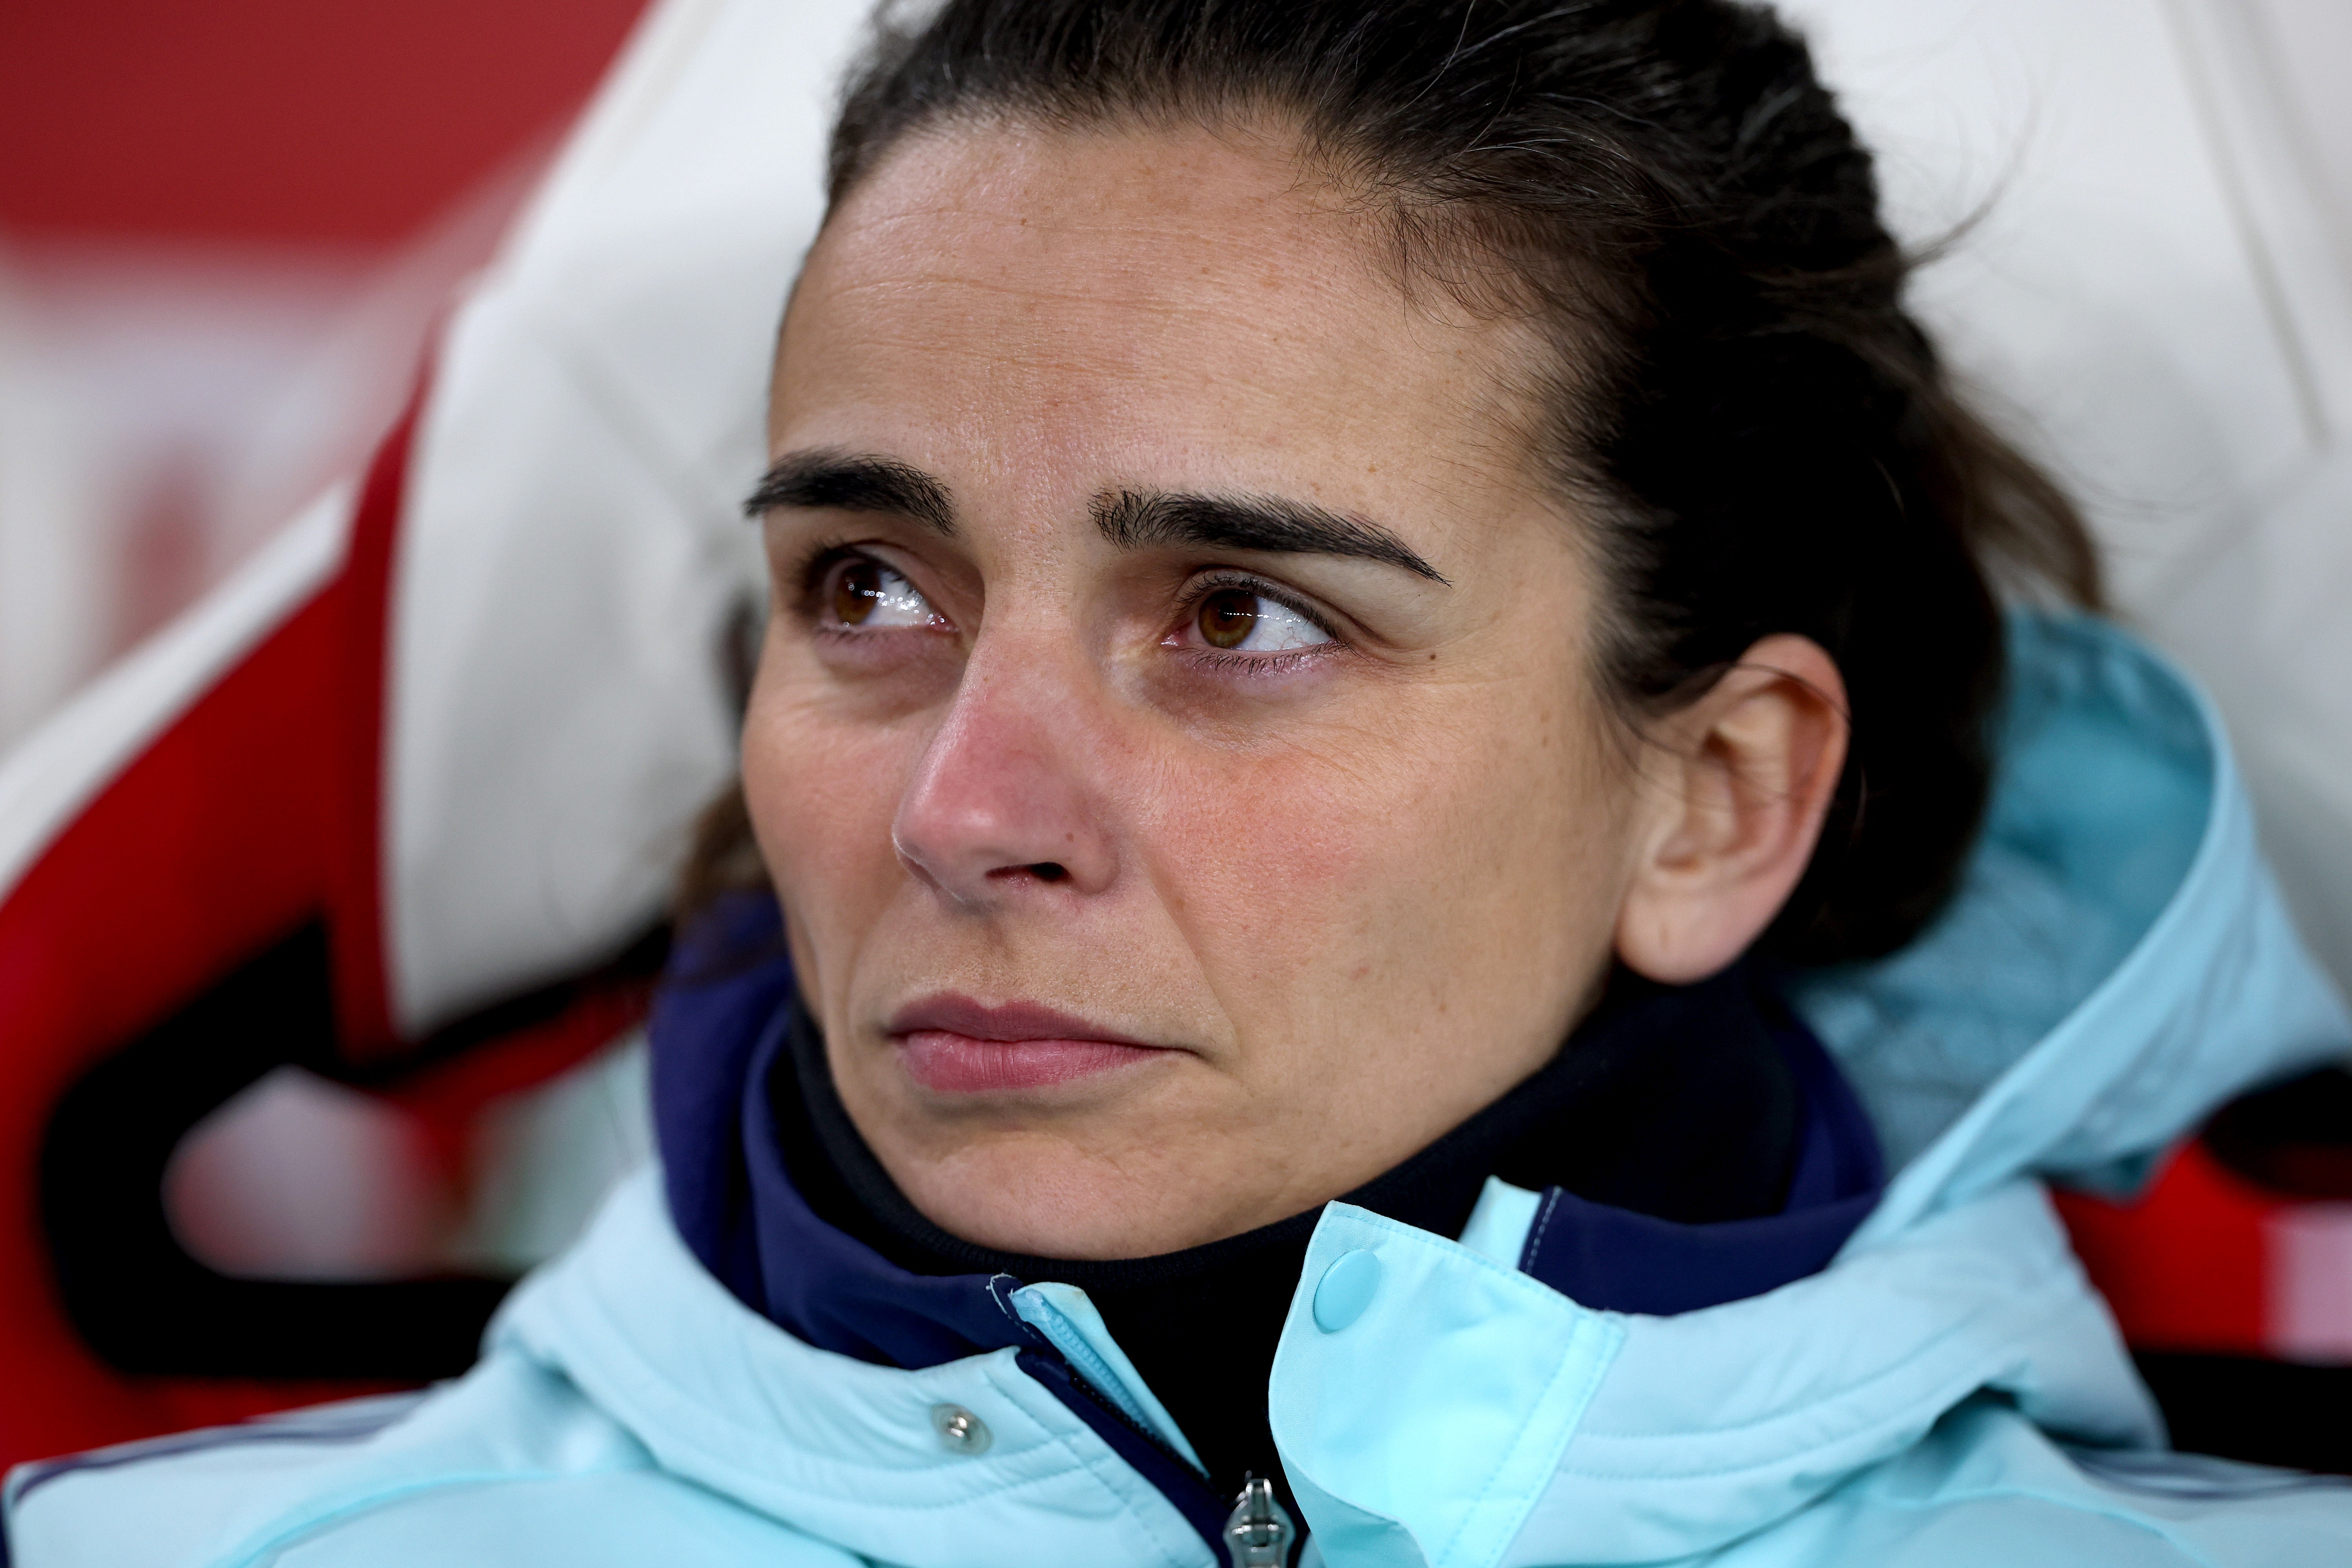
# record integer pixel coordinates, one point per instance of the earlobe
(1732, 810)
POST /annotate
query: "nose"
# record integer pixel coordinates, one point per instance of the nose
(999, 804)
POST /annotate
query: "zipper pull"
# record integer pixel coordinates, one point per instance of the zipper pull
(1258, 1533)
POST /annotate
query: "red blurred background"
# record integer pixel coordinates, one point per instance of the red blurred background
(225, 229)
(279, 122)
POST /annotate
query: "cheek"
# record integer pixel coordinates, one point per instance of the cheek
(821, 793)
(1456, 857)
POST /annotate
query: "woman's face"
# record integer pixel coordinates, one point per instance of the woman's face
(1174, 745)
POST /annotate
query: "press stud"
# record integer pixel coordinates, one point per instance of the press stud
(959, 1429)
(1346, 1288)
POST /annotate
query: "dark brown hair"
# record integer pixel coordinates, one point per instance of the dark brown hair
(1762, 439)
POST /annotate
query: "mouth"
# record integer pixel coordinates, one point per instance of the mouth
(953, 1045)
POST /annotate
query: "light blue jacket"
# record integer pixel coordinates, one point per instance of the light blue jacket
(1950, 1391)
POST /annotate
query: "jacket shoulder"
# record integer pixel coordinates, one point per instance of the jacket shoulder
(508, 1466)
(1986, 1486)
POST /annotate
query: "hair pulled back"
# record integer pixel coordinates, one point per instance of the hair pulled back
(1758, 434)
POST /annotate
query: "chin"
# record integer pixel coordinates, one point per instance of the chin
(1059, 1202)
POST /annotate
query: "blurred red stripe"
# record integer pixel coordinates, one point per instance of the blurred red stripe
(279, 120)
(2184, 1265)
(256, 810)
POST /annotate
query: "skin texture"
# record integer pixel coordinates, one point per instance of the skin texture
(1356, 889)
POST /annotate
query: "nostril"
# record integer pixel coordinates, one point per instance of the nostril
(1043, 870)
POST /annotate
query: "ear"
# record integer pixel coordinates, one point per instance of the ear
(1734, 789)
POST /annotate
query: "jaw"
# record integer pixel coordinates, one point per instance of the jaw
(1127, 1163)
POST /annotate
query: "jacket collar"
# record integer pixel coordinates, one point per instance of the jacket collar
(1705, 1103)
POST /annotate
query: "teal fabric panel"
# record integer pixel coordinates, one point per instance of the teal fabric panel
(239, 1502)
(2102, 795)
(1486, 1370)
(632, 1521)
(2118, 960)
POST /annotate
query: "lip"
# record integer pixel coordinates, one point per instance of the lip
(954, 1045)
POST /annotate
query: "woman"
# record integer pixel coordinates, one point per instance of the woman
(1381, 629)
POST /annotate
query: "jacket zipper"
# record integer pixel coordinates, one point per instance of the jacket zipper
(1109, 1406)
(1259, 1532)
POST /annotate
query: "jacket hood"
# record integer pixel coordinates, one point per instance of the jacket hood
(2116, 962)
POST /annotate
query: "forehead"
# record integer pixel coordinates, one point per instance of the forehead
(1124, 302)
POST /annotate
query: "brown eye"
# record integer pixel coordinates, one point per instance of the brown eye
(1227, 618)
(856, 589)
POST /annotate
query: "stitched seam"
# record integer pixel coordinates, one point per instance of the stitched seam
(1094, 1473)
(1861, 1433)
(628, 1366)
(1586, 1321)
(1847, 1396)
(998, 1294)
(155, 1450)
(718, 1462)
(1478, 1509)
(1461, 1257)
(275, 1537)
(1486, 1489)
(1783, 1461)
(2151, 1485)
(1090, 1365)
(648, 1380)
(1535, 1239)
(2072, 1505)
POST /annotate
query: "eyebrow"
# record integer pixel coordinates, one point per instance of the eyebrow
(1132, 519)
(853, 481)
(831, 479)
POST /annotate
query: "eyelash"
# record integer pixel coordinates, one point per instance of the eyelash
(816, 560)
(1250, 664)
(820, 556)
